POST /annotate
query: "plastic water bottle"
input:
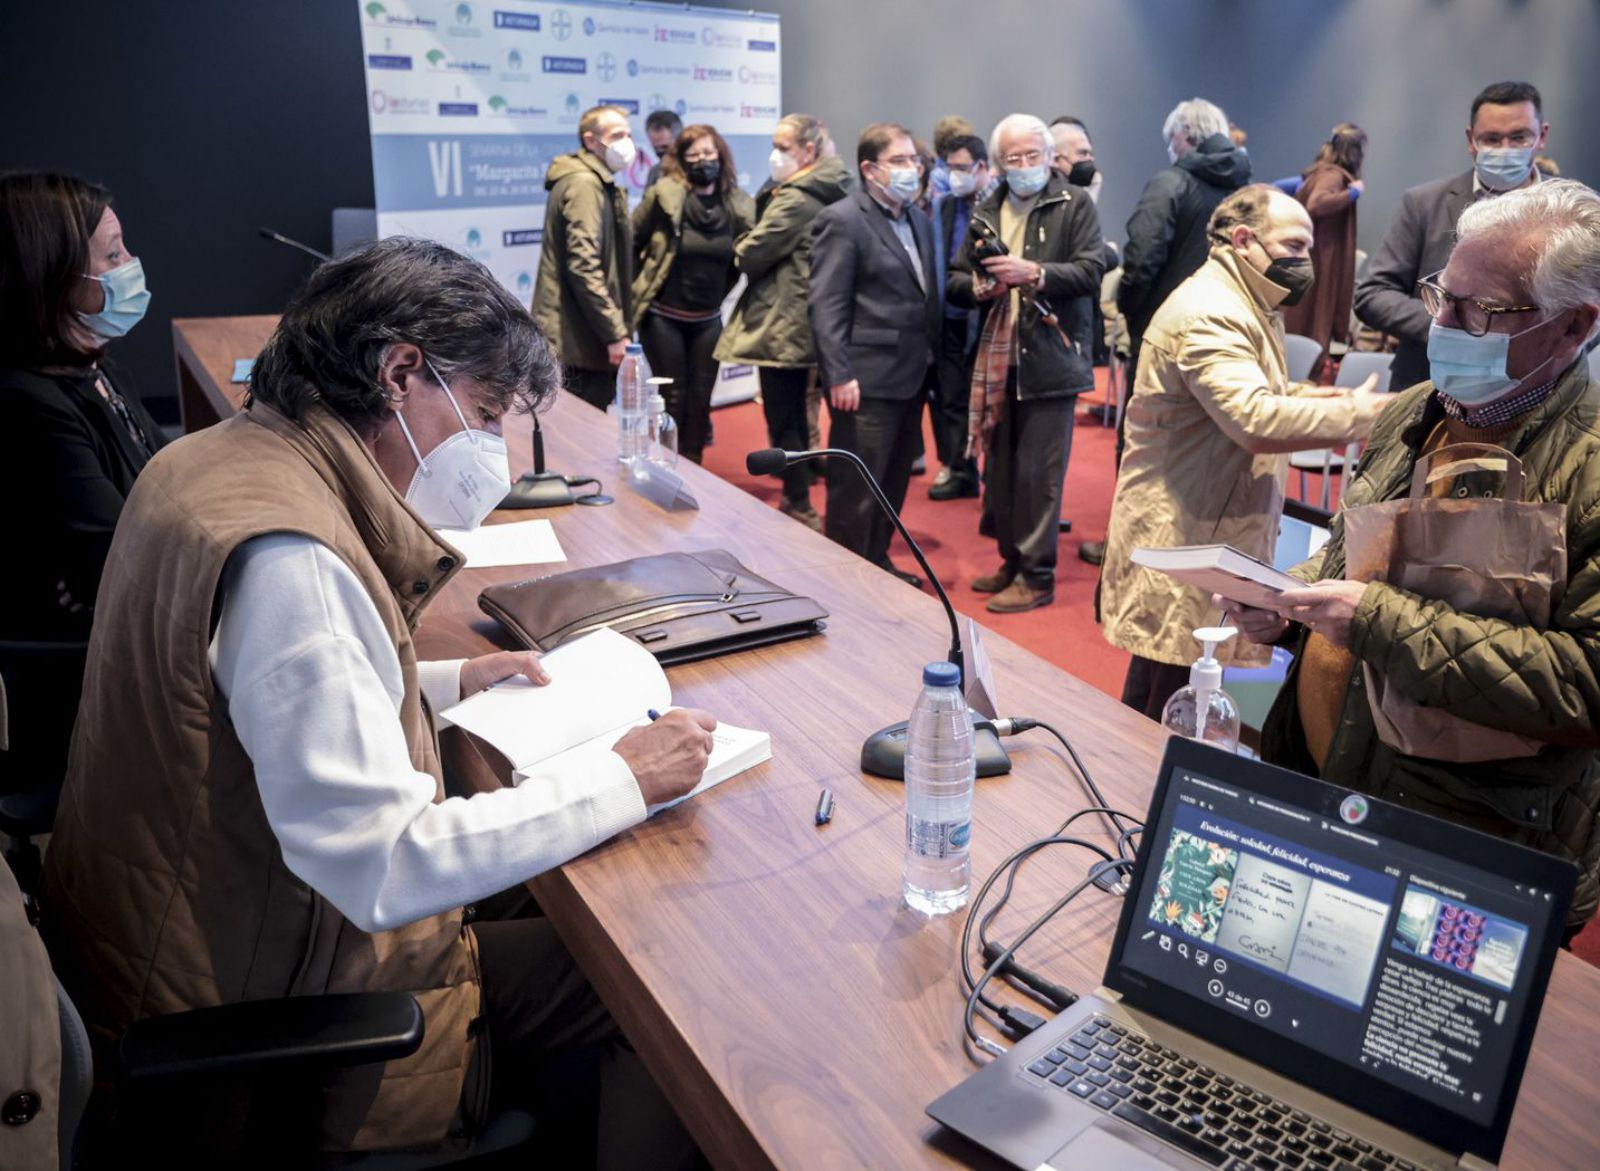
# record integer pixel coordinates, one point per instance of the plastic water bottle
(1202, 710)
(631, 419)
(941, 765)
(662, 432)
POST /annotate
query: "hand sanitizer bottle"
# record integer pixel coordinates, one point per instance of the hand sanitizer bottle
(1202, 710)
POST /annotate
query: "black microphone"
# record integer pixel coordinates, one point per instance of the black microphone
(884, 752)
(538, 488)
(276, 238)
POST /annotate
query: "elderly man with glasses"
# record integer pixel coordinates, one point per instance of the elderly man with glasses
(1505, 131)
(1032, 263)
(1510, 318)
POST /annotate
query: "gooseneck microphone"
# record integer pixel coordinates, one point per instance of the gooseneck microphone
(539, 488)
(884, 752)
(276, 238)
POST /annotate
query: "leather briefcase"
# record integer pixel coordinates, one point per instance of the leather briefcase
(678, 606)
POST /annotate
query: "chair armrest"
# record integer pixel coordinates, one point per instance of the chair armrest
(273, 1035)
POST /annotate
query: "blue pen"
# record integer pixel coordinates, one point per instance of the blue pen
(653, 714)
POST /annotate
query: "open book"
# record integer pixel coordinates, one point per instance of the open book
(1220, 569)
(601, 686)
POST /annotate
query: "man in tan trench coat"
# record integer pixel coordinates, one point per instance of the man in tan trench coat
(1211, 423)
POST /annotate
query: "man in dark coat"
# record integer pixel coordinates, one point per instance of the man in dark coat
(875, 312)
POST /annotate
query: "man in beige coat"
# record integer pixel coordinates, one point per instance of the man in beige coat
(1211, 422)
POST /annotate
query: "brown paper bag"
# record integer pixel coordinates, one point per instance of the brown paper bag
(1465, 537)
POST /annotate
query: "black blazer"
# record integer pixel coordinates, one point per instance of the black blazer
(1417, 244)
(873, 321)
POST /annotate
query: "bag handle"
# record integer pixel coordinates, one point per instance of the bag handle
(1454, 458)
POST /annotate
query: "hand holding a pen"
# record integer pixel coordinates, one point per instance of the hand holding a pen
(668, 756)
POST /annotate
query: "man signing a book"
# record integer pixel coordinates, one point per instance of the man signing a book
(254, 807)
(1211, 423)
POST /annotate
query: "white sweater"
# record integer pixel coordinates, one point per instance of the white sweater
(313, 687)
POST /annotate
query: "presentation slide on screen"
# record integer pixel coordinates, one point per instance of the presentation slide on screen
(469, 102)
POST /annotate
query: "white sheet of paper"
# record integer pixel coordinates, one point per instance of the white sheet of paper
(981, 694)
(602, 682)
(521, 542)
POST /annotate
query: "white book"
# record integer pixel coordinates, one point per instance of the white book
(1220, 569)
(601, 687)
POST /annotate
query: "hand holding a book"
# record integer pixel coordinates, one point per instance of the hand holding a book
(668, 756)
(487, 670)
(1326, 607)
(1259, 626)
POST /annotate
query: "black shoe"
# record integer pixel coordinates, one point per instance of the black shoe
(952, 485)
(910, 579)
(1094, 552)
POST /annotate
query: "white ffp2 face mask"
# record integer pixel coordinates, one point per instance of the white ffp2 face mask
(461, 480)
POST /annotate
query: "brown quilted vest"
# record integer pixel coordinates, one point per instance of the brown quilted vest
(165, 885)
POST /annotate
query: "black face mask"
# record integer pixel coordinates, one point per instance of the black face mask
(705, 172)
(1082, 173)
(1294, 273)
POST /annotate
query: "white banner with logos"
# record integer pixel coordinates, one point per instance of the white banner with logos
(470, 100)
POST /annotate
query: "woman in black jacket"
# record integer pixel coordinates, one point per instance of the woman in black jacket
(74, 437)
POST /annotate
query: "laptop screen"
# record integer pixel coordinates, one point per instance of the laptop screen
(1381, 957)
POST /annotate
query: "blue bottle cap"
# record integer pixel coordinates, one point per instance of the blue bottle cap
(941, 674)
(634, 348)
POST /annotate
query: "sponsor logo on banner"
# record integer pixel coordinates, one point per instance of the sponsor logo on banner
(565, 64)
(605, 67)
(527, 22)
(732, 372)
(749, 76)
(758, 111)
(379, 15)
(462, 25)
(441, 62)
(384, 102)
(629, 104)
(387, 61)
(674, 36)
(716, 39)
(712, 73)
(593, 27)
(472, 244)
(458, 109)
(561, 24)
(636, 67)
(498, 105)
(524, 280)
(588, 26)
(516, 68)
(763, 46)
(680, 107)
(521, 236)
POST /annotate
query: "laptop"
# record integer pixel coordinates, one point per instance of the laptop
(1302, 977)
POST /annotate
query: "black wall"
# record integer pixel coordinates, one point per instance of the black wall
(206, 119)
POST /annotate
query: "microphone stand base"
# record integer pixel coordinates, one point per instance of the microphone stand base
(538, 490)
(884, 753)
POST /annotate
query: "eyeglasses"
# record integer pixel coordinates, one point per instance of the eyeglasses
(1031, 159)
(901, 161)
(1473, 315)
(1520, 139)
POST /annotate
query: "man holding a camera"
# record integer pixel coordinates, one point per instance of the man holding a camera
(1032, 265)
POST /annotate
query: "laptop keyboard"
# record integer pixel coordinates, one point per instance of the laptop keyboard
(1212, 1116)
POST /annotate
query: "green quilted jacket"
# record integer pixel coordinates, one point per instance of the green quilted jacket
(1544, 684)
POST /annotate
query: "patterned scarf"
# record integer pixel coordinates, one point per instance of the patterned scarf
(989, 376)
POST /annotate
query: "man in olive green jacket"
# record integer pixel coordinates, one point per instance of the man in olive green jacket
(1507, 356)
(582, 298)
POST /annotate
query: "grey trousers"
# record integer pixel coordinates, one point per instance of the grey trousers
(1027, 462)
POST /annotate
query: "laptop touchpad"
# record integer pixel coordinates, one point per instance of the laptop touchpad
(1106, 1144)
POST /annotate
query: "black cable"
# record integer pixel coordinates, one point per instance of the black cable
(1094, 790)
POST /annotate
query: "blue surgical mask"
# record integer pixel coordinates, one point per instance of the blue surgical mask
(1026, 181)
(1502, 168)
(903, 184)
(126, 300)
(1472, 370)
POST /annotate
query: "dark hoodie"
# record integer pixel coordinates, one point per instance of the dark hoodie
(1167, 231)
(582, 298)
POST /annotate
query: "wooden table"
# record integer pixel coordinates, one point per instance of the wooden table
(795, 1013)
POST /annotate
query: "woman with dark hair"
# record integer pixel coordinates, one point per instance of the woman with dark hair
(1329, 189)
(684, 229)
(75, 436)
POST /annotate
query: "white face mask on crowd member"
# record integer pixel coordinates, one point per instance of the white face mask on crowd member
(463, 479)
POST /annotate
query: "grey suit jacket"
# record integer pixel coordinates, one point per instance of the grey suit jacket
(1418, 244)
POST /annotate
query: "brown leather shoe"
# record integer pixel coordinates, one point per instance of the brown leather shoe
(1020, 596)
(992, 583)
(1094, 552)
(803, 513)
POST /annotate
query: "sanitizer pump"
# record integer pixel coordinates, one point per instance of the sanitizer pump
(1202, 710)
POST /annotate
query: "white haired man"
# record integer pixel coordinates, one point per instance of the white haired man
(1513, 311)
(1032, 263)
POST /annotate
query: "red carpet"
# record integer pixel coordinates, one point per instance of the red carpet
(1065, 633)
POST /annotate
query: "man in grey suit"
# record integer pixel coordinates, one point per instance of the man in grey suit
(1504, 133)
(875, 314)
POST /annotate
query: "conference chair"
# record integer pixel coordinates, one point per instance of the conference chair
(1354, 368)
(1111, 402)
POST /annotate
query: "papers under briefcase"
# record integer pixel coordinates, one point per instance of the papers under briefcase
(678, 606)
